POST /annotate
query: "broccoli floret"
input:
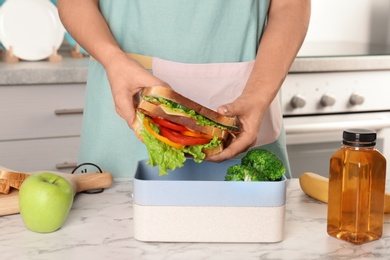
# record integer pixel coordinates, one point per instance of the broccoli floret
(241, 172)
(267, 163)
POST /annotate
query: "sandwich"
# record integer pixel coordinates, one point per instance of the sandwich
(174, 127)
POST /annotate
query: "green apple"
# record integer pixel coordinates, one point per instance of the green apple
(45, 200)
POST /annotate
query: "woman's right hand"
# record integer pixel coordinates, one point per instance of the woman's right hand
(127, 77)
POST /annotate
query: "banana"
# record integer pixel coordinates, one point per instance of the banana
(316, 186)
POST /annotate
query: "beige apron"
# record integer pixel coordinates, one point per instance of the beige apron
(216, 84)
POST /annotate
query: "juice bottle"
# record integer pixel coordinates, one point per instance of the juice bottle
(357, 178)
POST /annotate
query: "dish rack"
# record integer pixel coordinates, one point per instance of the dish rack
(9, 57)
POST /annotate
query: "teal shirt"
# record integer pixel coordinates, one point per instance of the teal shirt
(192, 31)
(196, 31)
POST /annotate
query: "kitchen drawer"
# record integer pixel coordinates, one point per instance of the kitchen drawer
(40, 154)
(41, 111)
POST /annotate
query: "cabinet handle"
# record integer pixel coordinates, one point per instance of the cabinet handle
(66, 165)
(71, 111)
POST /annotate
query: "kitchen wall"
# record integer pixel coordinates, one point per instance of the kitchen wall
(359, 21)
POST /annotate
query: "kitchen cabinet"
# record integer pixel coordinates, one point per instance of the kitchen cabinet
(41, 106)
(41, 126)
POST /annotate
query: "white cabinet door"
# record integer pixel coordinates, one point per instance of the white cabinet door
(41, 111)
(40, 154)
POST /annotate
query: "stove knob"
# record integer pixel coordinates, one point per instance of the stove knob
(327, 100)
(356, 99)
(298, 101)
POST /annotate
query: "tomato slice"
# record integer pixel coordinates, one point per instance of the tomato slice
(163, 139)
(169, 124)
(182, 139)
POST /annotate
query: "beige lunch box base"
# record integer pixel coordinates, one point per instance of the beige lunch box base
(208, 224)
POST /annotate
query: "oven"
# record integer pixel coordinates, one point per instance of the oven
(318, 106)
(340, 80)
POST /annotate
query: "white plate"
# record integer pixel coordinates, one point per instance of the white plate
(32, 28)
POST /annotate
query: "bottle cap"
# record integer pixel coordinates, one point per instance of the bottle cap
(359, 137)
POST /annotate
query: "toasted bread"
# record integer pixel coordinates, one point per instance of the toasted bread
(15, 179)
(137, 127)
(170, 94)
(214, 150)
(9, 179)
(4, 186)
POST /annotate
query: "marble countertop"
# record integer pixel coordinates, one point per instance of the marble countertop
(69, 70)
(100, 226)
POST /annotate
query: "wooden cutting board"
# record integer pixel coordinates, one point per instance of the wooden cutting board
(9, 203)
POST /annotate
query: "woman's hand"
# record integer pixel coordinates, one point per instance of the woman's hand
(249, 116)
(127, 77)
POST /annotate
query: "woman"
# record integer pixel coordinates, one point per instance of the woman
(229, 55)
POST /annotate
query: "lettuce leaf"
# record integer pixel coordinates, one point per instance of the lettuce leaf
(161, 154)
(197, 150)
(169, 158)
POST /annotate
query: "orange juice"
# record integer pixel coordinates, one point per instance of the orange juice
(357, 179)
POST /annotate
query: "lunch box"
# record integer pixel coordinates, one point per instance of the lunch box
(195, 204)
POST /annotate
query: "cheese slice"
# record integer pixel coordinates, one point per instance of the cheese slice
(171, 112)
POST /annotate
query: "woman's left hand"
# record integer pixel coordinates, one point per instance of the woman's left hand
(249, 115)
